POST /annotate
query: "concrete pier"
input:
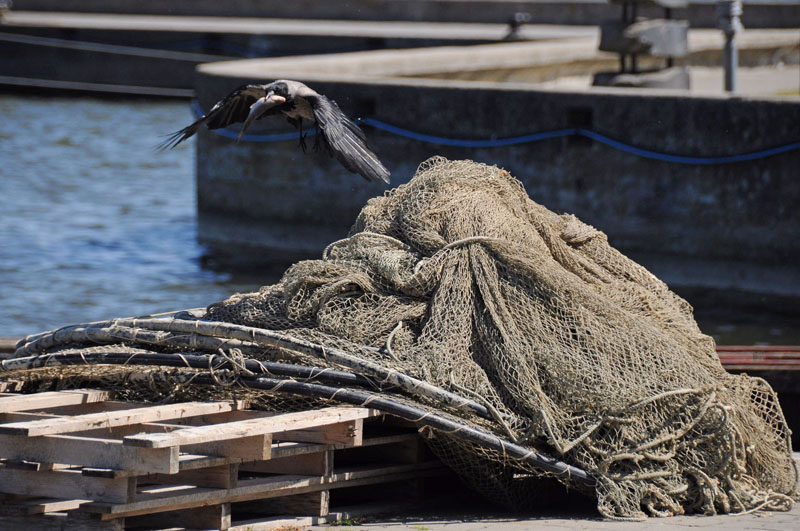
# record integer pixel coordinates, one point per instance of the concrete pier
(726, 226)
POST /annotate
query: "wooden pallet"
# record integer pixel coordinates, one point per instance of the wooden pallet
(81, 460)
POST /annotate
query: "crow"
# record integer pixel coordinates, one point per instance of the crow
(339, 134)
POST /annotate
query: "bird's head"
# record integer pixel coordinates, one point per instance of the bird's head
(277, 93)
(280, 89)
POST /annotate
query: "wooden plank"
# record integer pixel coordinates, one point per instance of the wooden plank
(184, 497)
(185, 462)
(312, 464)
(343, 433)
(222, 477)
(209, 517)
(88, 451)
(308, 504)
(63, 484)
(390, 439)
(251, 448)
(288, 448)
(192, 461)
(34, 466)
(91, 407)
(17, 416)
(52, 399)
(61, 411)
(138, 415)
(30, 506)
(245, 428)
(162, 427)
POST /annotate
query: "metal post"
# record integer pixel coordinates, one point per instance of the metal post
(728, 13)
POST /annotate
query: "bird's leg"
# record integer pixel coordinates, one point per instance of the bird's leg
(302, 136)
(317, 138)
(298, 123)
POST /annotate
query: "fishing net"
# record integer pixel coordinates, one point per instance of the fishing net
(458, 294)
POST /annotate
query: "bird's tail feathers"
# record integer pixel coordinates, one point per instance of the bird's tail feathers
(177, 137)
(357, 157)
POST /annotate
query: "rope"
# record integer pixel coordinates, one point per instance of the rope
(524, 139)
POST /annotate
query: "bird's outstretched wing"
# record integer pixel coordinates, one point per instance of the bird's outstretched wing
(346, 140)
(233, 108)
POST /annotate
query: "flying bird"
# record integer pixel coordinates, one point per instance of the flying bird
(340, 135)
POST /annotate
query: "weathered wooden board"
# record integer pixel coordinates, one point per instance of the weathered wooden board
(52, 399)
(208, 517)
(89, 451)
(343, 433)
(30, 506)
(65, 483)
(136, 415)
(246, 428)
(310, 464)
(183, 497)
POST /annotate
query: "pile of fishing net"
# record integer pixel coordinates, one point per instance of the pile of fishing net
(519, 340)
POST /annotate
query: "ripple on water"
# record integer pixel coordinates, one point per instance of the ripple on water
(95, 223)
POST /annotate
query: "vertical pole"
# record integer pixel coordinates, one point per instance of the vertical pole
(625, 8)
(731, 60)
(633, 14)
(668, 16)
(728, 13)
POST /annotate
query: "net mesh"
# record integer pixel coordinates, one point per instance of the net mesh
(459, 279)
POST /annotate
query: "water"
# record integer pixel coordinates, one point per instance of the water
(94, 223)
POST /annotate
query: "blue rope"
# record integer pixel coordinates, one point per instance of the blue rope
(500, 142)
(576, 131)
(276, 137)
(681, 159)
(511, 141)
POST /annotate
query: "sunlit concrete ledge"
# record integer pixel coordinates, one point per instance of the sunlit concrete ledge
(438, 62)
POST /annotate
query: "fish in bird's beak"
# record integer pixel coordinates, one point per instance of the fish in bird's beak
(261, 106)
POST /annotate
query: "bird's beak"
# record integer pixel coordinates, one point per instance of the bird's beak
(261, 106)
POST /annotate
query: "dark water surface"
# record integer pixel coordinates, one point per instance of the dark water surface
(94, 223)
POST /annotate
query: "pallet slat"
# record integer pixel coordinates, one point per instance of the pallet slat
(125, 417)
(88, 451)
(36, 505)
(246, 428)
(52, 399)
(344, 433)
(164, 499)
(56, 483)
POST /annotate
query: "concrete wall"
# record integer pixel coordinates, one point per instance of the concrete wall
(723, 226)
(757, 13)
(166, 58)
